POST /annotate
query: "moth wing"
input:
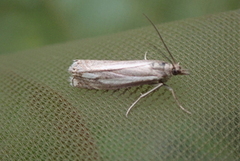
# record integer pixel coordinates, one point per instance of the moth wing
(110, 80)
(84, 66)
(116, 74)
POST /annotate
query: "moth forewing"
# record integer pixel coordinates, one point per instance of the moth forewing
(118, 74)
(110, 74)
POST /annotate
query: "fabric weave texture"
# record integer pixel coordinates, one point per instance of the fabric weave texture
(43, 118)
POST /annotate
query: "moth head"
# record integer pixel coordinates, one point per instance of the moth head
(177, 70)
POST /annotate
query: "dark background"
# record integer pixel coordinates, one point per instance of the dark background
(26, 24)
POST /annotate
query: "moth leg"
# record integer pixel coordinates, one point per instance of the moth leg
(72, 81)
(145, 55)
(174, 96)
(143, 95)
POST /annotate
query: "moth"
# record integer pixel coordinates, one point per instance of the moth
(111, 74)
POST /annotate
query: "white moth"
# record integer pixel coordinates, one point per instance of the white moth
(110, 74)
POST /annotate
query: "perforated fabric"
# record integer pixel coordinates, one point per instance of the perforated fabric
(43, 118)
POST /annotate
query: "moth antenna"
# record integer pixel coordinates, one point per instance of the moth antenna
(163, 54)
(161, 39)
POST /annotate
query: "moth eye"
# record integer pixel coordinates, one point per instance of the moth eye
(175, 72)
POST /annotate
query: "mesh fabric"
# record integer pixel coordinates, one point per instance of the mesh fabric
(43, 118)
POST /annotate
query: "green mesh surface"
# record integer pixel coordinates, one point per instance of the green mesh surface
(43, 118)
